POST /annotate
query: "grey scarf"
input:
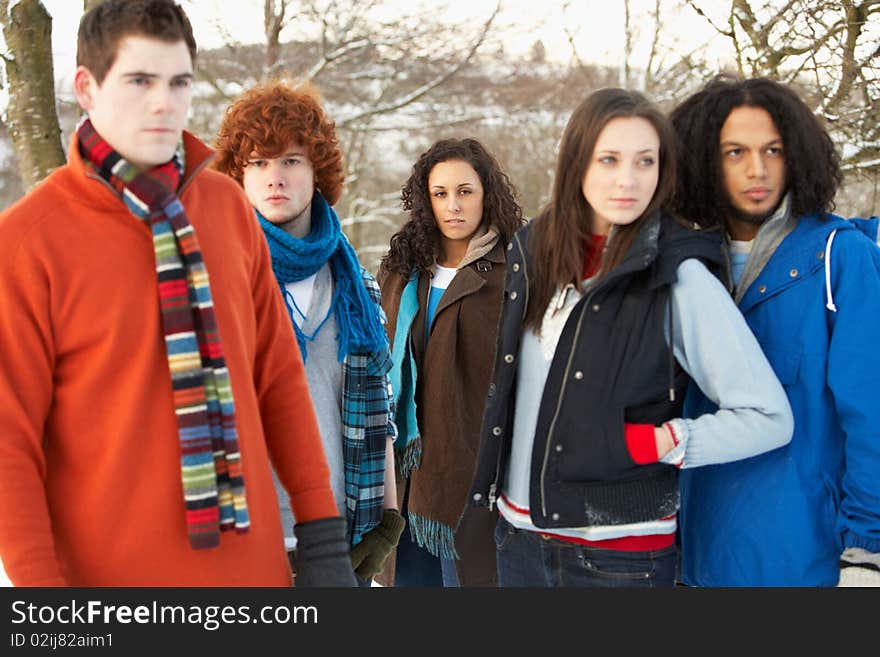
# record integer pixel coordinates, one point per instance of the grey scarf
(770, 235)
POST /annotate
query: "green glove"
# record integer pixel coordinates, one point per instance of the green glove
(368, 556)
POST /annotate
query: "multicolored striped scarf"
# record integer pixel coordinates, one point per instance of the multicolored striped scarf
(213, 485)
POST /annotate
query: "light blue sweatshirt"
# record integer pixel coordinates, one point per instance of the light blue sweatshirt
(715, 346)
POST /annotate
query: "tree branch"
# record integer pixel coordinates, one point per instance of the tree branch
(428, 86)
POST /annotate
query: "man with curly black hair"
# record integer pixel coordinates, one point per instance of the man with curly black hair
(756, 162)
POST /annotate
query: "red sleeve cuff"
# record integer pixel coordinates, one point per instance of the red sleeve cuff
(640, 442)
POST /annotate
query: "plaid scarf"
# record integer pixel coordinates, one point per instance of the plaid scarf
(213, 485)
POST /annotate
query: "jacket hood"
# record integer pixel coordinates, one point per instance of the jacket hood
(480, 245)
(869, 227)
(661, 232)
(663, 236)
(704, 243)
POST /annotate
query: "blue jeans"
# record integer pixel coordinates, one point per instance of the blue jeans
(415, 565)
(526, 558)
(448, 572)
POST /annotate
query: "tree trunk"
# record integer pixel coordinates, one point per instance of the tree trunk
(273, 22)
(31, 115)
(90, 4)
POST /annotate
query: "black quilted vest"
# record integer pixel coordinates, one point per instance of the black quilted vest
(612, 365)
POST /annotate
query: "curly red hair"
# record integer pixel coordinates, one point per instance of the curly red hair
(271, 116)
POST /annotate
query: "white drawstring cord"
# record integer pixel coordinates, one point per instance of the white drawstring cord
(830, 305)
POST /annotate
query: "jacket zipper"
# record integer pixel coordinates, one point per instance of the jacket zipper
(577, 334)
(559, 403)
(493, 487)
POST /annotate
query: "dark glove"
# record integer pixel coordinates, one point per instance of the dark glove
(368, 556)
(322, 554)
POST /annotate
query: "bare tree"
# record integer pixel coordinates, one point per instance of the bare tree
(627, 45)
(275, 19)
(384, 79)
(830, 49)
(31, 115)
(396, 85)
(662, 71)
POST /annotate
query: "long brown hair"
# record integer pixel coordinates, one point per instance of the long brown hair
(557, 240)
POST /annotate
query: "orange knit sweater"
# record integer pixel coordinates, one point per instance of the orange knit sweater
(90, 484)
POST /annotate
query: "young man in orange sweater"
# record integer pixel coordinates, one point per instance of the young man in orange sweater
(141, 399)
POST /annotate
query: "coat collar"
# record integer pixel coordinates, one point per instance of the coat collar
(470, 278)
(800, 254)
(642, 252)
(198, 156)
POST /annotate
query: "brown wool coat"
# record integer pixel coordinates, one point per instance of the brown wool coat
(454, 371)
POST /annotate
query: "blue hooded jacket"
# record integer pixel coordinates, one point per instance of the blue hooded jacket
(783, 518)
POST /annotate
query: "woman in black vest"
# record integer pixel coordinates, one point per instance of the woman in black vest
(610, 310)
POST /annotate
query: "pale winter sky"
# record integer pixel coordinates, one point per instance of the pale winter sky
(596, 24)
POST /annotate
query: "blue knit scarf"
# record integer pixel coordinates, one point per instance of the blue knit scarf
(403, 377)
(358, 322)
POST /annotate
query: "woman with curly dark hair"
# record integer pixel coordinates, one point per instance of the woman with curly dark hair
(442, 283)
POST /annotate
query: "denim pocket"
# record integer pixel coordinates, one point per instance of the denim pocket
(630, 566)
(615, 568)
(504, 532)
